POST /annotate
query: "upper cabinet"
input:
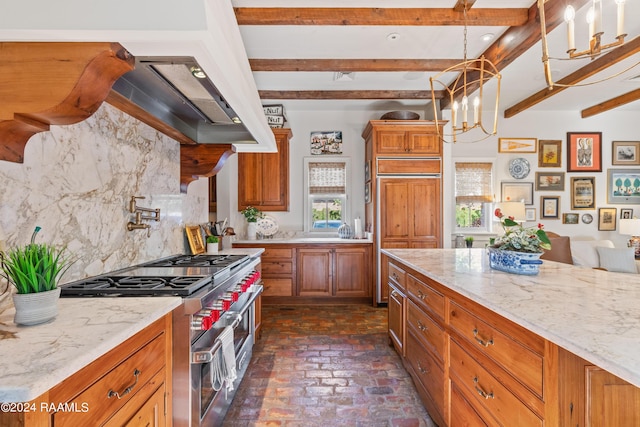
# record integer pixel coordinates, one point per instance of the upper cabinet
(263, 178)
(404, 137)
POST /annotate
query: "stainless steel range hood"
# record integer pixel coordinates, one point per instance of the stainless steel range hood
(177, 92)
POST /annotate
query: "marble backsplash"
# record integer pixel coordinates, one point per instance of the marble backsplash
(76, 183)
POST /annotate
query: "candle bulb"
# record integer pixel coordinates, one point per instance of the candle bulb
(620, 4)
(465, 108)
(590, 20)
(476, 109)
(454, 112)
(569, 15)
(597, 17)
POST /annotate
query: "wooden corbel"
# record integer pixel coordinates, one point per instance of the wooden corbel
(202, 160)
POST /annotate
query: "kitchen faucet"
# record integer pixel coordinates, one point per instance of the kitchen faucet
(140, 216)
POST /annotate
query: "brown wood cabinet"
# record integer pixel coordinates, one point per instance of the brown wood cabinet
(404, 209)
(472, 366)
(130, 385)
(263, 178)
(318, 272)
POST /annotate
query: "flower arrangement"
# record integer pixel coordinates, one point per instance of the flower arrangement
(252, 214)
(34, 268)
(520, 239)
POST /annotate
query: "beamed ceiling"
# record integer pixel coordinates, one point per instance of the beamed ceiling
(391, 48)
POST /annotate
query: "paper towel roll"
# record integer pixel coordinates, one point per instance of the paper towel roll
(357, 228)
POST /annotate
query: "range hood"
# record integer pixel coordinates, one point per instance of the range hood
(178, 93)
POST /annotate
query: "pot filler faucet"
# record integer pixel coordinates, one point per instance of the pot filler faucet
(152, 215)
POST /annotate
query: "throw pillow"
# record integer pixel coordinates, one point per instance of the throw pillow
(620, 260)
(584, 252)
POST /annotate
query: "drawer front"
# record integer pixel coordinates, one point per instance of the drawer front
(398, 275)
(408, 166)
(277, 253)
(427, 331)
(147, 361)
(426, 370)
(425, 296)
(276, 267)
(481, 389)
(519, 361)
(277, 287)
(462, 412)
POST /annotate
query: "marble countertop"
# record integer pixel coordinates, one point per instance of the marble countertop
(592, 313)
(303, 240)
(36, 358)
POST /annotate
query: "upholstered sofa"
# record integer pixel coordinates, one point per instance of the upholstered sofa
(601, 254)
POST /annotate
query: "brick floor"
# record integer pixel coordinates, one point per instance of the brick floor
(326, 366)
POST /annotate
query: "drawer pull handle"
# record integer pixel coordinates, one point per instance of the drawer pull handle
(395, 276)
(421, 295)
(127, 390)
(481, 341)
(421, 326)
(480, 391)
(394, 293)
(421, 369)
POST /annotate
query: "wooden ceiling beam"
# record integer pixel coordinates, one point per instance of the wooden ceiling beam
(460, 5)
(378, 16)
(517, 40)
(347, 94)
(352, 65)
(594, 67)
(612, 103)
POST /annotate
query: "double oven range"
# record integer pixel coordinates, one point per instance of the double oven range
(217, 291)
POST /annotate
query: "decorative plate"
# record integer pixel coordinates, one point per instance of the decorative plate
(519, 168)
(267, 226)
(587, 218)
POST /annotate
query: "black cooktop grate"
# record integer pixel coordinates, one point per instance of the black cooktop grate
(136, 286)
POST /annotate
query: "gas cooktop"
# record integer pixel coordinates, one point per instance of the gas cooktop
(202, 260)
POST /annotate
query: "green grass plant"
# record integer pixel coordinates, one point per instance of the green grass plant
(34, 268)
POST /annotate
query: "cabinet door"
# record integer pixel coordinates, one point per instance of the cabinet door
(391, 142)
(351, 276)
(425, 208)
(396, 318)
(394, 208)
(423, 143)
(611, 401)
(263, 178)
(314, 272)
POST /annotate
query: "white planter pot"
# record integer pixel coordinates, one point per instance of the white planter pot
(33, 309)
(212, 248)
(252, 228)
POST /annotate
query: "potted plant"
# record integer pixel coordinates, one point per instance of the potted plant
(469, 241)
(518, 250)
(212, 244)
(252, 215)
(34, 270)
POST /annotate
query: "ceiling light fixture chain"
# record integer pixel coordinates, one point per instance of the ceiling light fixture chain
(471, 76)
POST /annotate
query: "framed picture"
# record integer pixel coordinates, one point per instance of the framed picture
(549, 153)
(583, 192)
(530, 214)
(367, 170)
(626, 213)
(517, 145)
(550, 207)
(326, 142)
(625, 153)
(516, 191)
(367, 192)
(549, 181)
(194, 236)
(607, 219)
(584, 151)
(570, 218)
(623, 186)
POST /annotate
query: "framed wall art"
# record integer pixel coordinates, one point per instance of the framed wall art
(549, 153)
(530, 214)
(570, 218)
(549, 181)
(517, 145)
(517, 191)
(367, 192)
(194, 236)
(626, 213)
(583, 192)
(623, 186)
(584, 151)
(607, 219)
(550, 207)
(326, 142)
(625, 153)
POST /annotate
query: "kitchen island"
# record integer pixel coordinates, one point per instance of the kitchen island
(554, 346)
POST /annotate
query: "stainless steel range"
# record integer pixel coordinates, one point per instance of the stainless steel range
(217, 291)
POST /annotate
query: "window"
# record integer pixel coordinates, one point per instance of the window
(326, 184)
(473, 196)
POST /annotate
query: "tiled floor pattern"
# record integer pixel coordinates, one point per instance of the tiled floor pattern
(326, 366)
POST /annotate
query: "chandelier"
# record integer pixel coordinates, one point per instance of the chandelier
(472, 74)
(595, 48)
